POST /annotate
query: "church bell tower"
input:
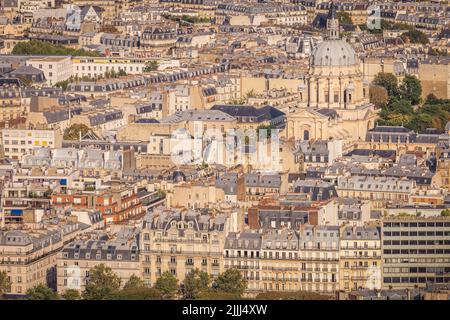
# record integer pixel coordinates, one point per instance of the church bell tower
(332, 23)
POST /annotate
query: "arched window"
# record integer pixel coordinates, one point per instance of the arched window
(306, 135)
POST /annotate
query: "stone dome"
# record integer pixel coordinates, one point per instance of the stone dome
(334, 53)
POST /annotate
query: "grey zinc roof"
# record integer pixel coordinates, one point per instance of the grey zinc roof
(117, 249)
(245, 240)
(161, 220)
(197, 115)
(260, 180)
(361, 233)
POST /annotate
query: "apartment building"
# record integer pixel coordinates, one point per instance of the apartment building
(28, 255)
(242, 252)
(443, 166)
(100, 120)
(318, 153)
(78, 258)
(19, 199)
(276, 215)
(257, 185)
(11, 106)
(379, 190)
(196, 195)
(97, 67)
(360, 258)
(56, 69)
(179, 241)
(415, 251)
(178, 98)
(116, 204)
(280, 263)
(307, 260)
(28, 258)
(19, 142)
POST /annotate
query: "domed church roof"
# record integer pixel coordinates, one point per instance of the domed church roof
(334, 53)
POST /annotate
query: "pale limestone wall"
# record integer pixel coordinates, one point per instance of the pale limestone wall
(435, 79)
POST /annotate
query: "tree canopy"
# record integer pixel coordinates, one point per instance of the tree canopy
(102, 283)
(378, 96)
(411, 89)
(41, 292)
(167, 284)
(71, 294)
(344, 17)
(5, 283)
(195, 283)
(151, 66)
(73, 132)
(40, 47)
(299, 295)
(432, 113)
(138, 293)
(134, 282)
(387, 81)
(415, 36)
(231, 281)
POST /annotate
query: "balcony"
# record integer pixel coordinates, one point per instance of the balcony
(356, 278)
(359, 267)
(189, 263)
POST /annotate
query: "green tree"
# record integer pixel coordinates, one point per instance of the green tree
(195, 283)
(71, 294)
(432, 99)
(299, 295)
(231, 281)
(121, 73)
(5, 283)
(42, 292)
(151, 66)
(401, 106)
(387, 81)
(415, 36)
(250, 94)
(212, 294)
(411, 89)
(62, 84)
(378, 96)
(102, 284)
(138, 293)
(445, 213)
(134, 282)
(344, 17)
(420, 121)
(73, 132)
(167, 284)
(33, 47)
